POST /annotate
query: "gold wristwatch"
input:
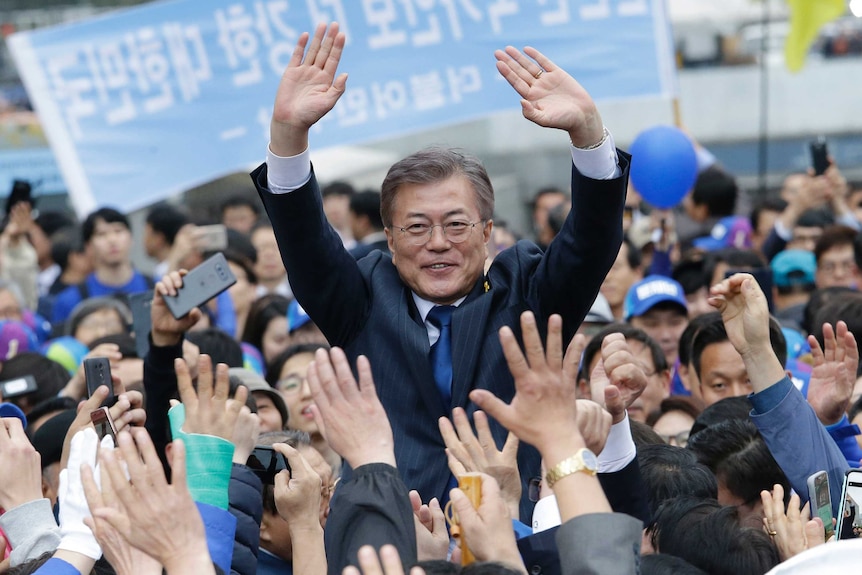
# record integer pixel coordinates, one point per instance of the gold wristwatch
(583, 460)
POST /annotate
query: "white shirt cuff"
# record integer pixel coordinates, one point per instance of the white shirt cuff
(600, 163)
(619, 449)
(782, 232)
(287, 174)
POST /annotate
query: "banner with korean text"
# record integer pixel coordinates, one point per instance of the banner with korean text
(149, 101)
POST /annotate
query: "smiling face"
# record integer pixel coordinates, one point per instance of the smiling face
(293, 385)
(439, 270)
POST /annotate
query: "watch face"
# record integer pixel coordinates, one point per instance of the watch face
(591, 462)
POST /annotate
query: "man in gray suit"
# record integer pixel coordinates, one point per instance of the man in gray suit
(437, 207)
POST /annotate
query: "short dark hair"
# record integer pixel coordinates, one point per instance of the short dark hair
(722, 410)
(238, 201)
(633, 254)
(716, 189)
(49, 405)
(337, 189)
(65, 242)
(547, 191)
(629, 332)
(167, 220)
(91, 305)
(711, 537)
(435, 165)
(690, 272)
(273, 370)
(683, 403)
(239, 258)
(221, 347)
(815, 218)
(847, 308)
(736, 453)
(107, 215)
(52, 221)
(669, 472)
(687, 337)
(293, 438)
(50, 376)
(664, 564)
(367, 203)
(714, 332)
(124, 341)
(834, 237)
(643, 435)
(769, 204)
(818, 300)
(735, 258)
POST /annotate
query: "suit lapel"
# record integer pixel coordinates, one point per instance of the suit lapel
(416, 350)
(468, 324)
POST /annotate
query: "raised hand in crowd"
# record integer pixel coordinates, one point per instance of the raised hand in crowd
(165, 329)
(209, 410)
(468, 452)
(127, 411)
(551, 97)
(157, 517)
(745, 314)
(125, 558)
(544, 411)
(617, 369)
(594, 423)
(77, 386)
(20, 462)
(245, 435)
(792, 531)
(432, 537)
(297, 498)
(833, 375)
(350, 416)
(389, 563)
(308, 89)
(487, 529)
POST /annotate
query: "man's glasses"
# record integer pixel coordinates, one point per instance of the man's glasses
(534, 488)
(679, 440)
(455, 232)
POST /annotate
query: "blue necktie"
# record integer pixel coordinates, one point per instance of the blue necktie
(441, 352)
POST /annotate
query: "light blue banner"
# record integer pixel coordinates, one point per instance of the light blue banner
(150, 101)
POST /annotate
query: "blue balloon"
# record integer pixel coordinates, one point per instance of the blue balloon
(664, 165)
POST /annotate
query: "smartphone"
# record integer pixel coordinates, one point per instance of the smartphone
(141, 304)
(211, 238)
(850, 513)
(763, 275)
(21, 192)
(200, 285)
(266, 463)
(104, 423)
(97, 372)
(819, 155)
(18, 386)
(820, 500)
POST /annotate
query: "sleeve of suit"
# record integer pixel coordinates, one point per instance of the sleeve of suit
(600, 543)
(569, 276)
(323, 275)
(371, 508)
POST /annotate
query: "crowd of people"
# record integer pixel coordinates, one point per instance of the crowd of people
(635, 391)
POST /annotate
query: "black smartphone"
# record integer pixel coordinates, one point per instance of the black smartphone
(850, 513)
(141, 304)
(763, 276)
(200, 285)
(21, 191)
(18, 386)
(97, 372)
(820, 500)
(104, 423)
(819, 155)
(266, 463)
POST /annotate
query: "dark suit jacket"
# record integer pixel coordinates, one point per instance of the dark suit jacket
(365, 308)
(362, 250)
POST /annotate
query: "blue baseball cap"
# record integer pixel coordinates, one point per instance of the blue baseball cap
(729, 232)
(650, 291)
(296, 317)
(793, 268)
(12, 410)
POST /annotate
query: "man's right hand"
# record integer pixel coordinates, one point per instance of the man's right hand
(308, 89)
(165, 329)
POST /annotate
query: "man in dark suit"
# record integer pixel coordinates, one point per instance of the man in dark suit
(437, 207)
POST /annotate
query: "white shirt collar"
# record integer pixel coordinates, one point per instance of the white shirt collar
(424, 306)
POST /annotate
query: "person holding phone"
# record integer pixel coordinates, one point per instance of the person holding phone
(395, 309)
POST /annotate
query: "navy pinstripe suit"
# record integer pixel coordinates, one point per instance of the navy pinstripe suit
(365, 308)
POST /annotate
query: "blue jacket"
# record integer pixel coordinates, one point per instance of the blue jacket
(246, 505)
